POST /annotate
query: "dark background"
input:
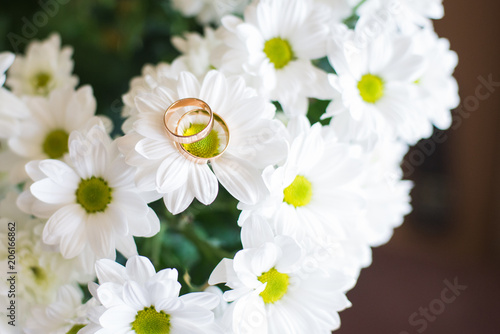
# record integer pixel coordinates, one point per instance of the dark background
(453, 233)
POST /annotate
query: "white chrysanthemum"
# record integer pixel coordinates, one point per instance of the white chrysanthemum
(209, 11)
(275, 289)
(196, 52)
(41, 270)
(438, 89)
(44, 68)
(273, 47)
(151, 77)
(44, 133)
(375, 83)
(406, 15)
(6, 59)
(91, 203)
(66, 315)
(255, 142)
(312, 195)
(136, 299)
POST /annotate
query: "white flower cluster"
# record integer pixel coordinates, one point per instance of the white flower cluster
(314, 198)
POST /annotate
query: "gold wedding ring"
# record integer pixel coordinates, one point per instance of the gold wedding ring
(193, 107)
(186, 103)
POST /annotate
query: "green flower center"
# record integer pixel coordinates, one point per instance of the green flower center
(277, 285)
(56, 144)
(39, 273)
(279, 52)
(93, 194)
(41, 83)
(148, 321)
(371, 88)
(299, 193)
(208, 147)
(75, 329)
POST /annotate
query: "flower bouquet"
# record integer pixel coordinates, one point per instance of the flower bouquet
(101, 232)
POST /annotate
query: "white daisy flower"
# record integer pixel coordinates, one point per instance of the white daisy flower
(273, 47)
(314, 193)
(41, 269)
(44, 68)
(91, 203)
(376, 89)
(44, 134)
(438, 89)
(66, 315)
(275, 290)
(6, 59)
(136, 299)
(255, 142)
(209, 11)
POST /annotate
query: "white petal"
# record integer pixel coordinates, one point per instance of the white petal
(188, 85)
(250, 315)
(50, 192)
(206, 300)
(223, 272)
(110, 271)
(118, 317)
(64, 221)
(126, 246)
(178, 200)
(154, 149)
(256, 231)
(172, 173)
(264, 258)
(134, 294)
(240, 179)
(204, 183)
(100, 235)
(214, 91)
(59, 172)
(140, 269)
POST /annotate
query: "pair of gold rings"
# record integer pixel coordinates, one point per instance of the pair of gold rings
(177, 113)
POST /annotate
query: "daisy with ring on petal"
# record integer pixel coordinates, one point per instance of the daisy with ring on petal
(242, 141)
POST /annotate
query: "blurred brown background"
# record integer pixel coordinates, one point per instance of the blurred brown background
(453, 236)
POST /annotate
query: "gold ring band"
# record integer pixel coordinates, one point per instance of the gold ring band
(184, 103)
(200, 160)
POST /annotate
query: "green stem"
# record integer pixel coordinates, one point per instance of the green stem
(211, 253)
(156, 245)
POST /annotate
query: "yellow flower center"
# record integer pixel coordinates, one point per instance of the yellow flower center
(149, 321)
(75, 329)
(277, 285)
(299, 193)
(93, 194)
(279, 52)
(207, 147)
(41, 83)
(371, 88)
(56, 144)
